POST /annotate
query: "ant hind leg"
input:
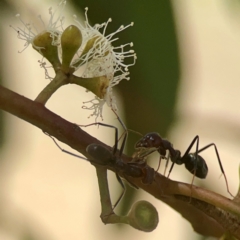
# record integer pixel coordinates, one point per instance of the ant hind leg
(219, 162)
(123, 191)
(63, 150)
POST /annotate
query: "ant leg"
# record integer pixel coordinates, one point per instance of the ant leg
(196, 139)
(159, 163)
(116, 133)
(186, 154)
(125, 133)
(103, 154)
(124, 188)
(120, 120)
(180, 160)
(166, 165)
(65, 151)
(123, 192)
(106, 125)
(146, 152)
(170, 170)
(219, 162)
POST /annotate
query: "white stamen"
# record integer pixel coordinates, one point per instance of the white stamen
(101, 60)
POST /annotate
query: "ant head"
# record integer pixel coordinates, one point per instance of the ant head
(100, 154)
(152, 139)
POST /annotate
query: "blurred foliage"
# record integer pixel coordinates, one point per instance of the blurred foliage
(149, 97)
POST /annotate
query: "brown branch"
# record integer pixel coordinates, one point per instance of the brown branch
(208, 212)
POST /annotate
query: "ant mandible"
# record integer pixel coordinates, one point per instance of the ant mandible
(193, 162)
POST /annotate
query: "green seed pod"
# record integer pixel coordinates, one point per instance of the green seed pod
(71, 41)
(43, 44)
(143, 216)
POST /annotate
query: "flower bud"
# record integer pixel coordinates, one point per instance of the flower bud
(97, 85)
(143, 216)
(43, 44)
(71, 41)
(89, 46)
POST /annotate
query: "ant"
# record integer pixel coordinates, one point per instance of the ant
(101, 155)
(193, 162)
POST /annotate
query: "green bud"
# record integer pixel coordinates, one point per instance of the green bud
(89, 45)
(97, 85)
(143, 216)
(71, 41)
(43, 44)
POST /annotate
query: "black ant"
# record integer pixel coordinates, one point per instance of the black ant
(194, 163)
(100, 155)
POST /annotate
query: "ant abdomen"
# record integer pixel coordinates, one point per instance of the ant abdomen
(99, 153)
(196, 167)
(134, 171)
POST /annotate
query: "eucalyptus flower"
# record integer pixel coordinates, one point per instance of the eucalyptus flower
(82, 49)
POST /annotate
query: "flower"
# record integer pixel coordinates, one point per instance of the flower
(45, 40)
(54, 27)
(99, 65)
(102, 58)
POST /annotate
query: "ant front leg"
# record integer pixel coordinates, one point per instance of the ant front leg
(166, 165)
(159, 163)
